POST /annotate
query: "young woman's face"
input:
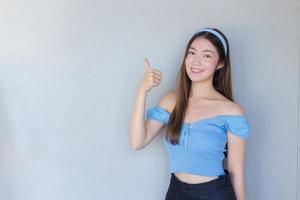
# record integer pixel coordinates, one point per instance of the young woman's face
(201, 60)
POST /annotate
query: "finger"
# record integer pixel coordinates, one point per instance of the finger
(157, 76)
(147, 64)
(156, 80)
(156, 72)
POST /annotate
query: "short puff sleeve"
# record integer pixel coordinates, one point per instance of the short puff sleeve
(159, 114)
(238, 125)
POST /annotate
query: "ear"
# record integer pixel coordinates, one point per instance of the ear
(220, 65)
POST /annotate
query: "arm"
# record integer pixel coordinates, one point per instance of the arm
(139, 133)
(150, 128)
(235, 159)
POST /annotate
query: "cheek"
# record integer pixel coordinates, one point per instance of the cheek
(187, 61)
(212, 64)
(187, 64)
(215, 62)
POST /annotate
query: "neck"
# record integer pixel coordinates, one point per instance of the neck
(202, 89)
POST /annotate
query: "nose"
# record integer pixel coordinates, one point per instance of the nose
(197, 60)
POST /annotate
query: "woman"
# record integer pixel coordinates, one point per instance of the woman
(203, 123)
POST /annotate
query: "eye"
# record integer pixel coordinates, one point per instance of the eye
(207, 56)
(191, 52)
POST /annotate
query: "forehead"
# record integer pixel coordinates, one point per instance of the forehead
(202, 44)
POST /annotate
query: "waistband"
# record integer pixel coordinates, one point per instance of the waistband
(221, 180)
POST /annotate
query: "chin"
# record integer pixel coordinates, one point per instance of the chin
(199, 79)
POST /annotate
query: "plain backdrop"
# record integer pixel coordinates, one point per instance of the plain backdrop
(69, 71)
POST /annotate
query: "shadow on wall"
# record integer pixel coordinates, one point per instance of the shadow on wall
(11, 157)
(5, 153)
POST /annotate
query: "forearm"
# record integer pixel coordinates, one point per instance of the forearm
(238, 186)
(137, 132)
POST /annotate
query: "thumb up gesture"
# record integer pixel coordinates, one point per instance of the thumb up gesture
(152, 77)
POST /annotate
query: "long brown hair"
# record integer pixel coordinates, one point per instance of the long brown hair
(221, 82)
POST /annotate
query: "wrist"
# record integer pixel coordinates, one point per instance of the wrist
(141, 91)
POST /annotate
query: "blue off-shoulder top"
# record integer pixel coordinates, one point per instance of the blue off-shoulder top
(201, 143)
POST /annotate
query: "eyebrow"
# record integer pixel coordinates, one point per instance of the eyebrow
(204, 50)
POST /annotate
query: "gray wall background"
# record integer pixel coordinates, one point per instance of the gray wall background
(68, 75)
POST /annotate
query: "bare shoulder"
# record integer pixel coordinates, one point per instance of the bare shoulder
(168, 101)
(230, 107)
(234, 108)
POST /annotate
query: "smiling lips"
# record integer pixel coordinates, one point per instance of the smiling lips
(196, 70)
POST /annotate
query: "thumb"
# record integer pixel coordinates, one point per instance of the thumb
(147, 64)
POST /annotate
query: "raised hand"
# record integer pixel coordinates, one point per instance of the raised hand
(152, 77)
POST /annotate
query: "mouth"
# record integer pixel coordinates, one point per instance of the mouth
(196, 70)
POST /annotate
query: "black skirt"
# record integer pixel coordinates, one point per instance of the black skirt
(217, 189)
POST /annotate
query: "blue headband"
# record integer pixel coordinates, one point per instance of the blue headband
(221, 38)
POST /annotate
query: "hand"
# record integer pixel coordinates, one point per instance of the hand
(152, 77)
